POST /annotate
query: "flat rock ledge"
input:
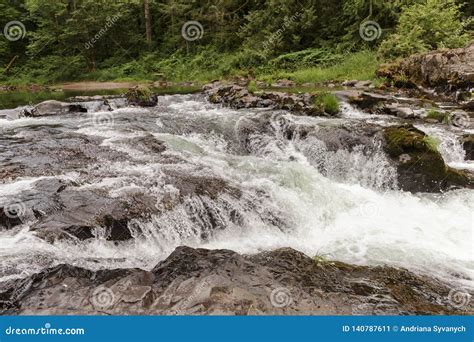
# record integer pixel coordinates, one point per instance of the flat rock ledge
(222, 282)
(237, 96)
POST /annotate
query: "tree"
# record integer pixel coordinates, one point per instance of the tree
(146, 6)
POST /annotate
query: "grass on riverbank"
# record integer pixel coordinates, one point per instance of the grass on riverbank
(360, 66)
(208, 65)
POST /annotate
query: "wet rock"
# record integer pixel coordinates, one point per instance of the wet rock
(86, 214)
(468, 105)
(364, 100)
(30, 204)
(398, 110)
(141, 96)
(420, 166)
(462, 119)
(53, 107)
(346, 136)
(97, 106)
(9, 217)
(363, 84)
(93, 98)
(349, 83)
(205, 282)
(149, 143)
(48, 151)
(449, 69)
(239, 97)
(357, 84)
(468, 145)
(192, 185)
(284, 83)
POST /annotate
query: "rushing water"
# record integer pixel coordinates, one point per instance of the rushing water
(294, 192)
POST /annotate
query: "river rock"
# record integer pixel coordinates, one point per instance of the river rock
(364, 100)
(468, 145)
(448, 69)
(399, 111)
(53, 107)
(9, 217)
(420, 166)
(141, 96)
(284, 83)
(85, 214)
(48, 151)
(462, 119)
(205, 282)
(237, 96)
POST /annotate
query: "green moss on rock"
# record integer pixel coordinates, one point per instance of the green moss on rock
(142, 96)
(420, 166)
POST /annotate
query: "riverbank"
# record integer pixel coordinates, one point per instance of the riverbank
(356, 66)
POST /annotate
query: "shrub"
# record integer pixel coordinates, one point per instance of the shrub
(426, 26)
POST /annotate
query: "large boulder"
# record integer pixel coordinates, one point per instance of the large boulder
(141, 96)
(420, 166)
(206, 282)
(448, 69)
(87, 214)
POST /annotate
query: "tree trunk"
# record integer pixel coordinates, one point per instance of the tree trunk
(7, 68)
(147, 22)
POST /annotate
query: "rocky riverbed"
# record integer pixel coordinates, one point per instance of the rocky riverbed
(285, 208)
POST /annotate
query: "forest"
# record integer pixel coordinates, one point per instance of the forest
(49, 42)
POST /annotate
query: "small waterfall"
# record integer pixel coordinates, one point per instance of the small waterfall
(244, 180)
(449, 145)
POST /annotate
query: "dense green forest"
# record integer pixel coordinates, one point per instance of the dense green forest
(50, 41)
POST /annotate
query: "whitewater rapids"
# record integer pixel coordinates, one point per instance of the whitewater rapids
(352, 211)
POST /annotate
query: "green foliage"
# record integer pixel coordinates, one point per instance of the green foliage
(139, 93)
(305, 40)
(361, 66)
(439, 116)
(304, 59)
(354, 12)
(252, 87)
(327, 102)
(431, 143)
(427, 26)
